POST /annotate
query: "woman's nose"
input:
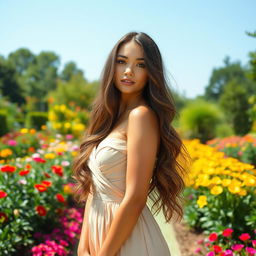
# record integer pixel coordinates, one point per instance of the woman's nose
(128, 71)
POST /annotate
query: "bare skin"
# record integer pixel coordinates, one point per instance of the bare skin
(139, 126)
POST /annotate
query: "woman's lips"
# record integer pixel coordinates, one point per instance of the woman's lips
(127, 82)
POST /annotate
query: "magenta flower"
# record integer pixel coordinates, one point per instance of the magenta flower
(210, 254)
(12, 142)
(250, 250)
(228, 253)
(237, 247)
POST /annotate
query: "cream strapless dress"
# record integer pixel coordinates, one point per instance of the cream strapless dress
(108, 164)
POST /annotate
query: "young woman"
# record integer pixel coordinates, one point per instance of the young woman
(129, 153)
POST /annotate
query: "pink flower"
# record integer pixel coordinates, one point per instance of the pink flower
(197, 250)
(210, 254)
(227, 232)
(244, 237)
(228, 253)
(12, 142)
(250, 250)
(213, 237)
(200, 241)
(254, 242)
(237, 247)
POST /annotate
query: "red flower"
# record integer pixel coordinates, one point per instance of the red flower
(28, 166)
(217, 249)
(40, 187)
(39, 160)
(213, 237)
(3, 217)
(227, 232)
(8, 168)
(31, 149)
(46, 183)
(41, 210)
(47, 175)
(24, 172)
(244, 237)
(60, 198)
(57, 170)
(3, 194)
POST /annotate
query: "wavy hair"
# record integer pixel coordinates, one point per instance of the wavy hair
(167, 183)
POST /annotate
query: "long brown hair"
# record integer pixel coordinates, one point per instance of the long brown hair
(167, 182)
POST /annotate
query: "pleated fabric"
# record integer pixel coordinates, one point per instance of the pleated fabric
(108, 164)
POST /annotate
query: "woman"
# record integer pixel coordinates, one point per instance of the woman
(129, 152)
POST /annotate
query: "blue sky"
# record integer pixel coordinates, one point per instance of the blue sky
(193, 36)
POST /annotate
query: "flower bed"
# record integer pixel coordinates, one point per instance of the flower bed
(34, 191)
(220, 192)
(242, 148)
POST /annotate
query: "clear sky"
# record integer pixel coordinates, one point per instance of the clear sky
(193, 36)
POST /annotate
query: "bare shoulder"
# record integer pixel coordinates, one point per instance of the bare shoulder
(143, 114)
(143, 121)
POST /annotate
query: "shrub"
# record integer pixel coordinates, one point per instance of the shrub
(199, 119)
(36, 119)
(3, 122)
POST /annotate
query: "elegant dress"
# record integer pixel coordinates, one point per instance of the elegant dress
(108, 164)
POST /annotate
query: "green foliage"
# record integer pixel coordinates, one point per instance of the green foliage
(199, 119)
(222, 211)
(220, 77)
(3, 122)
(9, 86)
(77, 90)
(234, 101)
(36, 119)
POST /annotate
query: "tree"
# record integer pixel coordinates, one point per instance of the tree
(9, 86)
(234, 101)
(20, 60)
(70, 69)
(221, 76)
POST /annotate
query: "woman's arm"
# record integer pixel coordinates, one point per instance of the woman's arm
(83, 246)
(143, 136)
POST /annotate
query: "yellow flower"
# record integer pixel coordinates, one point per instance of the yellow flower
(202, 201)
(226, 182)
(216, 190)
(216, 180)
(49, 155)
(67, 189)
(250, 181)
(62, 108)
(234, 189)
(74, 153)
(24, 130)
(243, 192)
(67, 125)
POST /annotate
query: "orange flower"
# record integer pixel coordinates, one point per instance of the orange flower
(31, 149)
(8, 168)
(40, 187)
(41, 210)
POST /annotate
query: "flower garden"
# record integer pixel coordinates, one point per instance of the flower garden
(38, 215)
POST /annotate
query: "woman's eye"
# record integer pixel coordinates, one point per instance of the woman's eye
(119, 61)
(142, 65)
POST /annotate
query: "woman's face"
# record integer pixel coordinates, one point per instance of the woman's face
(130, 65)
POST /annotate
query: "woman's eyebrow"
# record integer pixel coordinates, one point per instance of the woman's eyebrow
(119, 55)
